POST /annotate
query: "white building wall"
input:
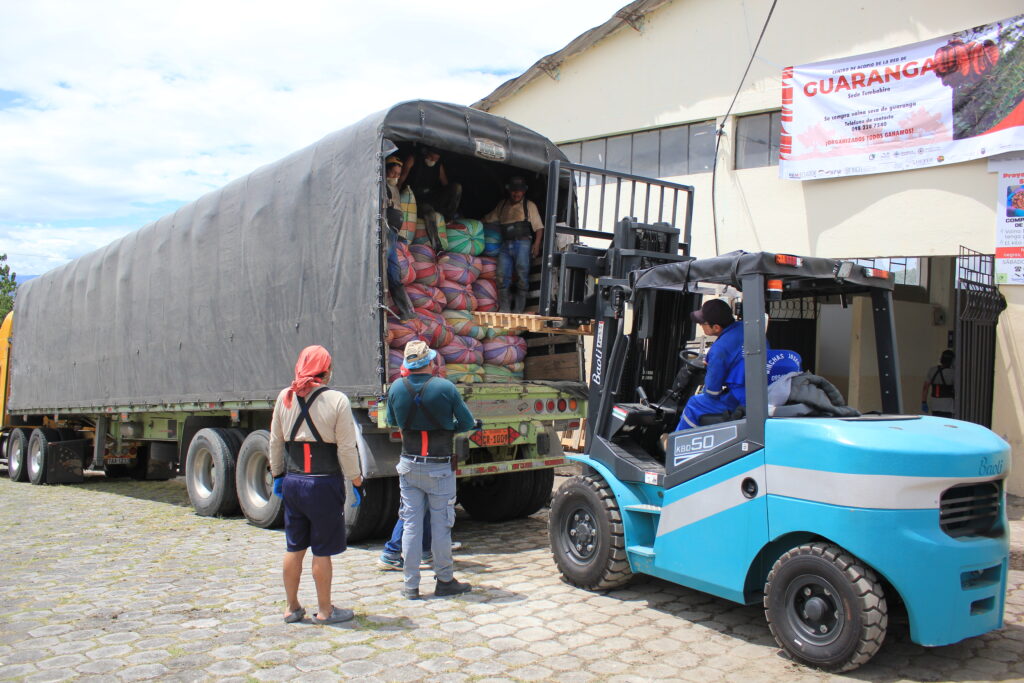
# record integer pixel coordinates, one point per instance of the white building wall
(684, 65)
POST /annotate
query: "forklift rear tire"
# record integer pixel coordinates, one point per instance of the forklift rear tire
(17, 449)
(825, 608)
(587, 538)
(210, 472)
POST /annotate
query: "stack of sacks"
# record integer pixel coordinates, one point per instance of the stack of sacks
(396, 357)
(435, 329)
(463, 324)
(461, 269)
(465, 374)
(463, 350)
(486, 293)
(466, 236)
(488, 268)
(425, 264)
(492, 239)
(425, 296)
(421, 237)
(404, 257)
(504, 357)
(401, 332)
(407, 205)
(458, 297)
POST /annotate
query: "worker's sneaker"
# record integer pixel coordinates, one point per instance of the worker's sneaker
(411, 593)
(453, 587)
(456, 545)
(390, 562)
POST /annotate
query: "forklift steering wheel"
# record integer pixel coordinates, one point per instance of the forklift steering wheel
(690, 357)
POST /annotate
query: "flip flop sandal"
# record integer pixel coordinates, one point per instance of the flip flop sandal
(297, 615)
(337, 616)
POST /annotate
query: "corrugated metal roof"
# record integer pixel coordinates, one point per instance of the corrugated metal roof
(629, 16)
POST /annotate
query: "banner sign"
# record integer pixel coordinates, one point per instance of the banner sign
(940, 101)
(1010, 226)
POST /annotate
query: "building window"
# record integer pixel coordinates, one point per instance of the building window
(661, 153)
(757, 140)
(906, 270)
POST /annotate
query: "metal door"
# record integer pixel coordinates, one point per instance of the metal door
(978, 305)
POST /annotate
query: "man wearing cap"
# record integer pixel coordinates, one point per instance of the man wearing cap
(522, 234)
(429, 410)
(312, 450)
(393, 213)
(425, 173)
(724, 385)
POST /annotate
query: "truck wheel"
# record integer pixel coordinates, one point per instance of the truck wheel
(17, 448)
(35, 460)
(254, 483)
(587, 538)
(541, 483)
(365, 521)
(825, 608)
(496, 497)
(210, 472)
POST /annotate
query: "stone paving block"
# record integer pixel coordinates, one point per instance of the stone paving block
(143, 672)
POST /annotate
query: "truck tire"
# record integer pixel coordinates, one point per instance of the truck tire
(35, 460)
(541, 484)
(255, 485)
(369, 519)
(210, 472)
(825, 608)
(496, 497)
(17, 450)
(587, 538)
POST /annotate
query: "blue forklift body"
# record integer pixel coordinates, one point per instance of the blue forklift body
(871, 485)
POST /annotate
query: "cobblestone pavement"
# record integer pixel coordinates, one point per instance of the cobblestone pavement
(120, 581)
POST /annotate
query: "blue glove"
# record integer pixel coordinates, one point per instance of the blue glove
(924, 407)
(358, 496)
(279, 486)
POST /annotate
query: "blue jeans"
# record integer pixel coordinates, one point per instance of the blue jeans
(426, 486)
(514, 255)
(393, 547)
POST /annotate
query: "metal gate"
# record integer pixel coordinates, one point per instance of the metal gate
(978, 305)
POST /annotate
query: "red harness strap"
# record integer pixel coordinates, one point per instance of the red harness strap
(307, 465)
(424, 443)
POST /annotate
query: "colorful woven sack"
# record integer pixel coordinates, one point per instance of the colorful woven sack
(435, 331)
(405, 261)
(442, 231)
(462, 373)
(407, 204)
(458, 268)
(500, 373)
(424, 264)
(459, 297)
(495, 332)
(466, 236)
(463, 324)
(395, 359)
(504, 350)
(403, 331)
(425, 296)
(463, 350)
(488, 268)
(486, 293)
(420, 236)
(492, 239)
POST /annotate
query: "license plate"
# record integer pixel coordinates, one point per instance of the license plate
(494, 437)
(117, 461)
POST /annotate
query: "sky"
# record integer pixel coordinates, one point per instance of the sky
(114, 113)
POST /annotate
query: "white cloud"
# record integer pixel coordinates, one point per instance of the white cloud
(127, 104)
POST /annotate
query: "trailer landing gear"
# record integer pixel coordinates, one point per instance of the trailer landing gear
(825, 608)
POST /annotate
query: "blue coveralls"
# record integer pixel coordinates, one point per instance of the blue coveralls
(724, 386)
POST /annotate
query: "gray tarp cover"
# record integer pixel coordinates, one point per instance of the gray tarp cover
(214, 302)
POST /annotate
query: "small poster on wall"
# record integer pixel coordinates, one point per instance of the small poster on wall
(1010, 226)
(954, 98)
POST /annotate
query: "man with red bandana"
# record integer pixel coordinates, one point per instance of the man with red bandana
(313, 449)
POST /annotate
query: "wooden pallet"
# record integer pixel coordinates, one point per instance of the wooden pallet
(529, 322)
(572, 439)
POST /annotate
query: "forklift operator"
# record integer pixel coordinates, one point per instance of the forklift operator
(724, 388)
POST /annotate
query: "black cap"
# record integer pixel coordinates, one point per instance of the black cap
(516, 183)
(714, 312)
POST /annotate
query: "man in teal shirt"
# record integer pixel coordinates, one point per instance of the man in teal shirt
(429, 410)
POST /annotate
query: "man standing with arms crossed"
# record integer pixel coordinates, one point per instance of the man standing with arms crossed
(312, 450)
(429, 410)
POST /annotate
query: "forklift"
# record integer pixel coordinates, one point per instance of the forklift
(831, 523)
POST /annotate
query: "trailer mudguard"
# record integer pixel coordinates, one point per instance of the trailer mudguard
(876, 489)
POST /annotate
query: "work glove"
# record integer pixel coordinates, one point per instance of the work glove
(479, 424)
(359, 492)
(279, 486)
(924, 407)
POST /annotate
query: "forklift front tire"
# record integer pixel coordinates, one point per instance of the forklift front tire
(586, 532)
(825, 608)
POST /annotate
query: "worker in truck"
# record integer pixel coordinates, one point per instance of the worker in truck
(312, 450)
(724, 384)
(937, 392)
(425, 173)
(429, 411)
(522, 237)
(393, 213)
